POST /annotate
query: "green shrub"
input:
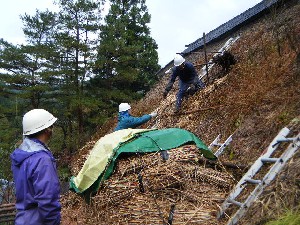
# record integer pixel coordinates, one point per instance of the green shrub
(290, 218)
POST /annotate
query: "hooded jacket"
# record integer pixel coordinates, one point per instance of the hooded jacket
(37, 184)
(125, 120)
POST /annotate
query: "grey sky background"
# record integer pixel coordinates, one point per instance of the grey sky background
(174, 23)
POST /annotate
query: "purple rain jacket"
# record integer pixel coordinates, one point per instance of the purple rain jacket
(37, 184)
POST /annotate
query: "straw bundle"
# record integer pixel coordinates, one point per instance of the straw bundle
(145, 189)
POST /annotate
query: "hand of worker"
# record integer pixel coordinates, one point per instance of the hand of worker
(153, 114)
(165, 94)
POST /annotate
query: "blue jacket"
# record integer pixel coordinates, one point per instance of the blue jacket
(37, 184)
(125, 120)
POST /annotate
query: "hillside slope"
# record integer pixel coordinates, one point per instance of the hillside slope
(255, 100)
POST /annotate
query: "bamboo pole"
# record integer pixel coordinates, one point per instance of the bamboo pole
(206, 62)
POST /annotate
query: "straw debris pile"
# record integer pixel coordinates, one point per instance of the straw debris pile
(145, 189)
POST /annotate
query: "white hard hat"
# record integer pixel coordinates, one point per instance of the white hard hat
(36, 120)
(178, 60)
(124, 107)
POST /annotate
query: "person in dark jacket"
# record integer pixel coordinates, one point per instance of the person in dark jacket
(187, 76)
(34, 172)
(126, 120)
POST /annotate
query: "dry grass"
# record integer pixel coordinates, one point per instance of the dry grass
(255, 100)
(196, 192)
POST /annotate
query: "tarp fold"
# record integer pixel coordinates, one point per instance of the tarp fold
(101, 161)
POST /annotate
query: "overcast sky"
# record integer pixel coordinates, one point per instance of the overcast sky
(174, 23)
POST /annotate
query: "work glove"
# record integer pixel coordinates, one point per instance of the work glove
(153, 114)
(165, 94)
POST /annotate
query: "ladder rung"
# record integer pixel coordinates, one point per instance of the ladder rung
(235, 202)
(217, 144)
(252, 181)
(279, 163)
(272, 160)
(283, 140)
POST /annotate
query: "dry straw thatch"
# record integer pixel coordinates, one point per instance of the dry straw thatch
(145, 189)
(257, 98)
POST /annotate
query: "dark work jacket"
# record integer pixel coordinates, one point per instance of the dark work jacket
(186, 75)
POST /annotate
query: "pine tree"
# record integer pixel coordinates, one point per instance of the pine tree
(26, 78)
(25, 65)
(78, 21)
(127, 58)
(51, 70)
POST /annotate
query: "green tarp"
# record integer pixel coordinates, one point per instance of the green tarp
(132, 141)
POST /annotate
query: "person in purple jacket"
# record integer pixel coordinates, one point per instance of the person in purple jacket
(126, 120)
(187, 76)
(34, 172)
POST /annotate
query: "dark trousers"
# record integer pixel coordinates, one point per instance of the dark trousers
(183, 87)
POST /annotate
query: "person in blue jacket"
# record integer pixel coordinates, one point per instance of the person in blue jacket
(187, 76)
(126, 120)
(35, 174)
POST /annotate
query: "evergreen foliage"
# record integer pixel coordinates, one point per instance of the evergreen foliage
(55, 69)
(78, 23)
(127, 59)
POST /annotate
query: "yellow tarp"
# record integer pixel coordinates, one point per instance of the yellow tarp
(99, 156)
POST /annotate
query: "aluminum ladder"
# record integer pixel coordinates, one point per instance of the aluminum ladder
(210, 63)
(221, 146)
(221, 51)
(279, 163)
